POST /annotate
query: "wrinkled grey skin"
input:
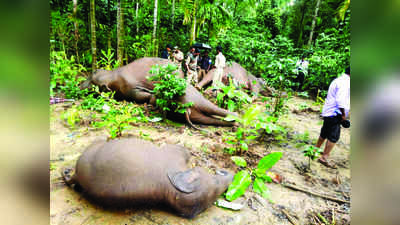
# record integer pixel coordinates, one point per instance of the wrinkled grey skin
(131, 84)
(240, 75)
(132, 172)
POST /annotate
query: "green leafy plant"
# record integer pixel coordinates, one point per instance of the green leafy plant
(72, 116)
(108, 62)
(232, 98)
(168, 88)
(258, 176)
(312, 153)
(252, 124)
(64, 75)
(118, 118)
(247, 131)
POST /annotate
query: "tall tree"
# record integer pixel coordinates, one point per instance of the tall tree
(155, 48)
(173, 13)
(313, 23)
(137, 17)
(109, 25)
(93, 34)
(120, 33)
(76, 29)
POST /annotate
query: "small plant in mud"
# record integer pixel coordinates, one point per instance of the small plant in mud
(231, 98)
(258, 177)
(253, 124)
(168, 88)
(72, 116)
(312, 153)
(247, 131)
(118, 118)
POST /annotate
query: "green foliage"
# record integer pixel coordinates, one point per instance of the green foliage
(238, 187)
(243, 178)
(118, 118)
(168, 88)
(108, 62)
(64, 75)
(232, 98)
(239, 161)
(252, 124)
(72, 116)
(312, 153)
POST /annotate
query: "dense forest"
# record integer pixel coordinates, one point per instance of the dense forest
(261, 127)
(266, 37)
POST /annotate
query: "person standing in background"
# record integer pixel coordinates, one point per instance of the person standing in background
(336, 108)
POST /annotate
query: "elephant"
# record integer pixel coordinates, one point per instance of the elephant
(242, 77)
(129, 172)
(130, 83)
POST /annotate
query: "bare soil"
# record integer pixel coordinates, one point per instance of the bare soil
(70, 207)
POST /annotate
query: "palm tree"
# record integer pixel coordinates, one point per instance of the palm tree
(197, 12)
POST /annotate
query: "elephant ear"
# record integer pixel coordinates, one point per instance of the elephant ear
(187, 181)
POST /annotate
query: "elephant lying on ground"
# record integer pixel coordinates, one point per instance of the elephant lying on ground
(132, 172)
(130, 83)
(242, 77)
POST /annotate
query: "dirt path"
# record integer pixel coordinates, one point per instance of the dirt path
(69, 207)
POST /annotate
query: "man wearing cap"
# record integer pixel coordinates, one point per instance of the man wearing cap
(191, 65)
(336, 108)
(220, 64)
(165, 54)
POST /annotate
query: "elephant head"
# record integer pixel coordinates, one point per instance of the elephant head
(195, 190)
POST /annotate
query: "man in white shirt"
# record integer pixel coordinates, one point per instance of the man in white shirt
(220, 64)
(302, 71)
(336, 108)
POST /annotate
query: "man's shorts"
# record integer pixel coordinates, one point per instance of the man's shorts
(331, 128)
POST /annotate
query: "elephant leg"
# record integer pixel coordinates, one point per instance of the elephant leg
(201, 118)
(140, 96)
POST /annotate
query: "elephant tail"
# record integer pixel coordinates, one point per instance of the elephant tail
(187, 117)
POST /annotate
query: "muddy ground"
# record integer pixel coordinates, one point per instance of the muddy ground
(69, 207)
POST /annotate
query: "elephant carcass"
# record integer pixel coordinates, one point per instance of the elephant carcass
(130, 83)
(240, 76)
(133, 172)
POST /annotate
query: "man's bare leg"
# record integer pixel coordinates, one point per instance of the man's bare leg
(320, 142)
(328, 148)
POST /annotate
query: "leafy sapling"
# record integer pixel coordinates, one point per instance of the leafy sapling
(168, 88)
(258, 177)
(312, 153)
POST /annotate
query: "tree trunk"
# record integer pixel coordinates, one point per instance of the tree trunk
(300, 38)
(193, 27)
(155, 27)
(109, 25)
(76, 33)
(137, 19)
(93, 34)
(313, 23)
(173, 14)
(120, 54)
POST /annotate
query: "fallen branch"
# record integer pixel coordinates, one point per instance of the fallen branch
(315, 194)
(290, 218)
